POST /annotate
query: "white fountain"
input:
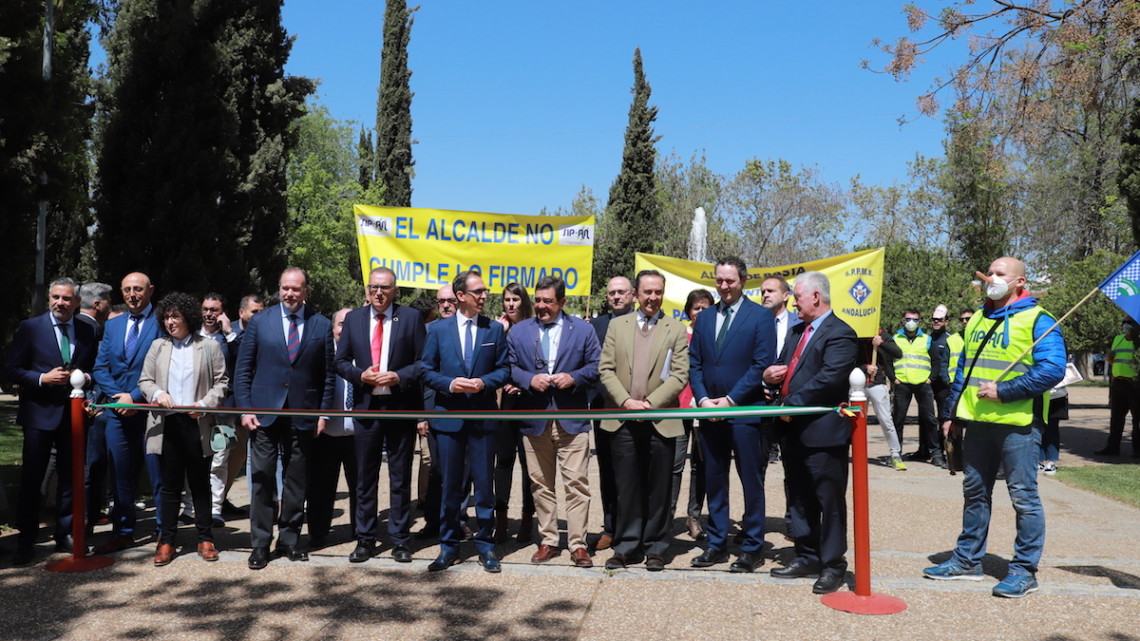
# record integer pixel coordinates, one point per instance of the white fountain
(698, 236)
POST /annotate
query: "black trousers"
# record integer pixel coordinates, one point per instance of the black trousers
(929, 434)
(688, 447)
(817, 501)
(184, 465)
(267, 444)
(508, 448)
(36, 454)
(643, 476)
(602, 449)
(373, 438)
(1123, 397)
(330, 454)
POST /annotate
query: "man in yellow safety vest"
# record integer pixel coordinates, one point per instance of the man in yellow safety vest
(1123, 395)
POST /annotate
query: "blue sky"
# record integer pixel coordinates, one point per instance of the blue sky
(518, 104)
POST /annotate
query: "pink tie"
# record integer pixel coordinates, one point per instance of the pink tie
(795, 361)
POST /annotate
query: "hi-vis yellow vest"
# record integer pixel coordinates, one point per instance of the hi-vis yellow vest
(954, 342)
(914, 366)
(992, 360)
(1122, 351)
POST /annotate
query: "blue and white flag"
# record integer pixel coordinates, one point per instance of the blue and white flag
(1123, 286)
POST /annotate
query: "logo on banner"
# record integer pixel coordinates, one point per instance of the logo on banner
(859, 291)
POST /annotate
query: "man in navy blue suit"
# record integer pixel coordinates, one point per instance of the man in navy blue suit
(285, 363)
(379, 346)
(126, 339)
(732, 344)
(813, 370)
(465, 361)
(555, 356)
(40, 360)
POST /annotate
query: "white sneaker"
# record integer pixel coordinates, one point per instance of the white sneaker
(1049, 468)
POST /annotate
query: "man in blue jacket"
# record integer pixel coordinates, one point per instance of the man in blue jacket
(1003, 414)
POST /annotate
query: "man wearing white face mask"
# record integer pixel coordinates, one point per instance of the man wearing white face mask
(912, 378)
(1002, 415)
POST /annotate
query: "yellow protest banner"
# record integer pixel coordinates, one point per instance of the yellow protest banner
(856, 283)
(428, 247)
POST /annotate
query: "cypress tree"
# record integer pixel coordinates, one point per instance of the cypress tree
(364, 162)
(194, 141)
(393, 155)
(1128, 178)
(44, 132)
(631, 220)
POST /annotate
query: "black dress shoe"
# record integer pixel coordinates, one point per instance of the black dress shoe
(364, 551)
(828, 582)
(259, 558)
(710, 558)
(291, 552)
(229, 509)
(402, 554)
(443, 561)
(490, 562)
(655, 563)
(430, 531)
(799, 569)
(746, 562)
(616, 562)
(317, 542)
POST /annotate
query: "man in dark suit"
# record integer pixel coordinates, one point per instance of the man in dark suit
(813, 370)
(619, 297)
(378, 350)
(645, 365)
(126, 340)
(40, 360)
(465, 362)
(285, 362)
(94, 308)
(554, 356)
(732, 345)
(332, 449)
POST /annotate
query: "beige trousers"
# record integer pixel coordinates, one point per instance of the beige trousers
(570, 453)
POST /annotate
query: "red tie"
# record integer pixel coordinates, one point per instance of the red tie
(378, 340)
(795, 361)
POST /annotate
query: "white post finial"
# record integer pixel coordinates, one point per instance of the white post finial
(858, 382)
(78, 380)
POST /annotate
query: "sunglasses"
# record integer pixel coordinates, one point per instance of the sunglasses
(965, 319)
(937, 320)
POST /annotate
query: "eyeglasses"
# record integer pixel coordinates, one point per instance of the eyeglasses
(937, 320)
(446, 301)
(376, 288)
(965, 319)
(477, 292)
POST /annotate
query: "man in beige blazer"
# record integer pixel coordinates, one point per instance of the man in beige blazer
(645, 365)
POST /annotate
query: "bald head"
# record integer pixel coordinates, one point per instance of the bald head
(1012, 271)
(619, 294)
(1010, 266)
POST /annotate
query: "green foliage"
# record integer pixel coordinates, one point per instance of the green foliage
(631, 222)
(1090, 329)
(193, 143)
(681, 188)
(923, 278)
(1128, 180)
(393, 154)
(44, 130)
(977, 193)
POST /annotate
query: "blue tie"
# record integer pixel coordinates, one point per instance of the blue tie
(546, 343)
(132, 343)
(469, 346)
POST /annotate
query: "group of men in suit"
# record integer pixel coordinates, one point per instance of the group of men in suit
(380, 357)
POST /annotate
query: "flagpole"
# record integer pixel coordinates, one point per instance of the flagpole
(1047, 332)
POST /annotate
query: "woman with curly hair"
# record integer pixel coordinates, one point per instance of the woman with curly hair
(183, 369)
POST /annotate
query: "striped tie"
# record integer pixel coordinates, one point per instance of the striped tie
(293, 343)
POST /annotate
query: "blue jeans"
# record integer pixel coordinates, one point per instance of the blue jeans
(986, 449)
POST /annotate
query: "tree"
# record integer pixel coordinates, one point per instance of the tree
(1091, 327)
(322, 174)
(365, 161)
(681, 188)
(1128, 180)
(194, 137)
(923, 278)
(393, 153)
(631, 222)
(783, 215)
(903, 213)
(44, 132)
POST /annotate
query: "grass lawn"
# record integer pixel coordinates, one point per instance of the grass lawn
(1118, 482)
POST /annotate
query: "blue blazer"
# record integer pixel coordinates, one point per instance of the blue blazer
(578, 355)
(114, 374)
(34, 351)
(354, 354)
(265, 379)
(442, 362)
(820, 379)
(738, 371)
